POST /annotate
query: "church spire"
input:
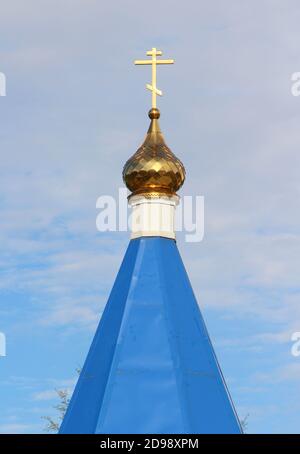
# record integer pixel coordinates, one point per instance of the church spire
(151, 368)
(153, 174)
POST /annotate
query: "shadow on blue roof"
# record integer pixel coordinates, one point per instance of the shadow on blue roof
(151, 367)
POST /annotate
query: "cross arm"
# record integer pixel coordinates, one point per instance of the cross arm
(157, 62)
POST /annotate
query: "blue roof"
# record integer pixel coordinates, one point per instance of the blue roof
(151, 367)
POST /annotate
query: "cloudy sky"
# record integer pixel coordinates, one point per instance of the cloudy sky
(75, 110)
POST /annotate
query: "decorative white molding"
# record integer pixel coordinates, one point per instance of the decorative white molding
(153, 216)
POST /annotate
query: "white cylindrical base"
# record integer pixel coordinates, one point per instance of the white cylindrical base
(153, 216)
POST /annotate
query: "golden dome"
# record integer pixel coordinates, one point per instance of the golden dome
(153, 170)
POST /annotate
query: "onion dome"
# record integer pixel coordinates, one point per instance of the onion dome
(154, 170)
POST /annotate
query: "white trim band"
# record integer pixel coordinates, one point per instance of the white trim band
(153, 216)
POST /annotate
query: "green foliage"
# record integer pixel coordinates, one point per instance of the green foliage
(61, 407)
(244, 422)
(63, 395)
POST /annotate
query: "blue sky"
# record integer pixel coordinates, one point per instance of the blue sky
(75, 110)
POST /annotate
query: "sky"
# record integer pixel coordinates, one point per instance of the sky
(75, 109)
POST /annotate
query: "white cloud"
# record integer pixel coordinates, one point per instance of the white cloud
(289, 372)
(18, 428)
(67, 130)
(49, 394)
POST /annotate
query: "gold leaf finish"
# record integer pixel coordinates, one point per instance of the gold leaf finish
(154, 170)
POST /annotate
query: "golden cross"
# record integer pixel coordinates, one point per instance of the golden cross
(154, 61)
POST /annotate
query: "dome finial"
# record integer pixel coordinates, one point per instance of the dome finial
(154, 114)
(154, 171)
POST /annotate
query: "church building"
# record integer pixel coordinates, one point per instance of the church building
(151, 368)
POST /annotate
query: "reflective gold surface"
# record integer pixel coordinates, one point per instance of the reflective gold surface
(154, 170)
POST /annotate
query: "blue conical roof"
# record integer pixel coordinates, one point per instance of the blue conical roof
(151, 367)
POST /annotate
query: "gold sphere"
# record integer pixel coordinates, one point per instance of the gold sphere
(154, 114)
(154, 170)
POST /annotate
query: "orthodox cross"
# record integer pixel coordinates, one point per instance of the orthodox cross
(154, 61)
